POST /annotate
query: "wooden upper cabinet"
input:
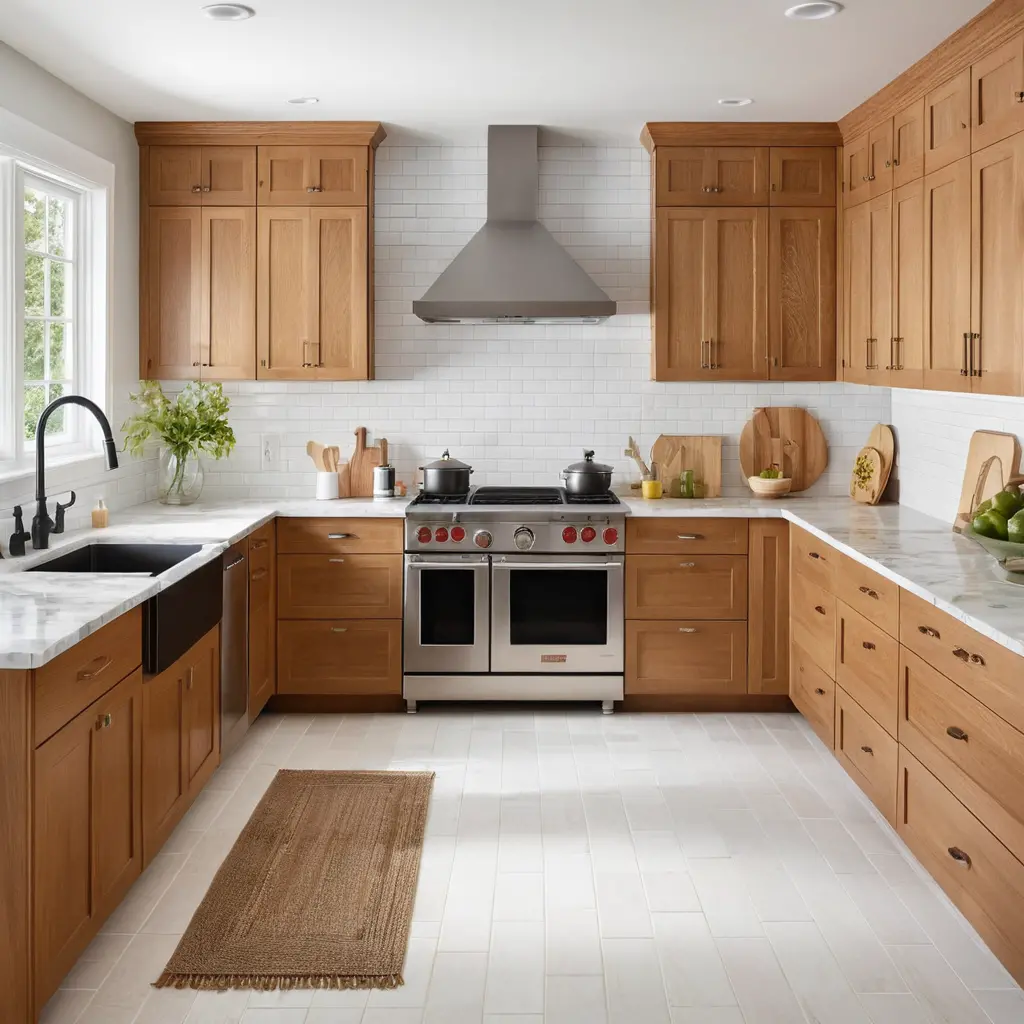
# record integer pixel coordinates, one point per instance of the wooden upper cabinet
(997, 256)
(907, 353)
(856, 171)
(947, 122)
(947, 277)
(908, 144)
(201, 176)
(803, 176)
(997, 94)
(172, 294)
(228, 326)
(868, 295)
(313, 175)
(711, 290)
(880, 142)
(802, 293)
(712, 176)
(313, 299)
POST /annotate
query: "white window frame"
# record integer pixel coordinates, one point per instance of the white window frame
(27, 151)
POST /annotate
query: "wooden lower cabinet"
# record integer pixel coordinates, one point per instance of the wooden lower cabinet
(813, 621)
(875, 597)
(262, 618)
(352, 657)
(695, 656)
(697, 586)
(978, 873)
(768, 607)
(339, 586)
(867, 666)
(181, 738)
(658, 536)
(867, 752)
(87, 836)
(813, 693)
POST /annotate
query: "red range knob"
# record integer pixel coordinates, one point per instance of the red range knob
(423, 535)
(458, 533)
(587, 534)
(611, 535)
(441, 534)
(569, 535)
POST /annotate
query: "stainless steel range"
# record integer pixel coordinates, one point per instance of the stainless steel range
(514, 593)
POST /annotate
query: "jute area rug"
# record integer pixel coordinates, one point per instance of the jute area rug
(317, 891)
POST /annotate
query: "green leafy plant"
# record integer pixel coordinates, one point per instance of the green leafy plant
(195, 422)
(772, 473)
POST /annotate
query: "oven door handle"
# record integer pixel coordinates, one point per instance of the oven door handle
(557, 565)
(446, 565)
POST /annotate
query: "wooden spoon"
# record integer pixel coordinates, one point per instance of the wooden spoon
(316, 452)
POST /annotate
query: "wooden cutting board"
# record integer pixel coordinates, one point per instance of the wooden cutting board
(986, 445)
(361, 466)
(786, 436)
(867, 488)
(703, 454)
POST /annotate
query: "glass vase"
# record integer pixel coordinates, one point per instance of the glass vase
(181, 477)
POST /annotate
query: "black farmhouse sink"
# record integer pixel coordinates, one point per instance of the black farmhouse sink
(151, 559)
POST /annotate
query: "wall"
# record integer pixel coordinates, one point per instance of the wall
(933, 432)
(517, 403)
(35, 95)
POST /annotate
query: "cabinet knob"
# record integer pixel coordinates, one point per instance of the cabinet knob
(869, 592)
(957, 733)
(959, 652)
(928, 631)
(895, 163)
(1019, 96)
(818, 608)
(888, 163)
(105, 721)
(959, 856)
(314, 188)
(197, 188)
(819, 691)
(867, 750)
(814, 555)
(868, 645)
(195, 364)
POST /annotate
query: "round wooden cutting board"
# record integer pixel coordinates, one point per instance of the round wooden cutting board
(786, 436)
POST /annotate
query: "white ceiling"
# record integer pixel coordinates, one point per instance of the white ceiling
(438, 65)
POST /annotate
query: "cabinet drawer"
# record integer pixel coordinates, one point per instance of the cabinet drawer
(698, 587)
(342, 657)
(813, 558)
(814, 694)
(813, 621)
(72, 681)
(972, 751)
(976, 871)
(686, 657)
(339, 587)
(867, 752)
(868, 593)
(986, 669)
(334, 536)
(656, 536)
(868, 666)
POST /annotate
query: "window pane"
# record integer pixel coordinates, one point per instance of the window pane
(56, 423)
(35, 285)
(58, 277)
(34, 350)
(57, 226)
(35, 402)
(60, 335)
(35, 219)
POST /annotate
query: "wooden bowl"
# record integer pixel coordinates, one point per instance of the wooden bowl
(763, 488)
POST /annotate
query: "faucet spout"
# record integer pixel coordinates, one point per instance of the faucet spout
(42, 525)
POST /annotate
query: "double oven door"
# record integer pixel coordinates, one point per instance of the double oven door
(513, 614)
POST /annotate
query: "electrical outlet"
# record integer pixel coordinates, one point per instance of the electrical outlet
(270, 451)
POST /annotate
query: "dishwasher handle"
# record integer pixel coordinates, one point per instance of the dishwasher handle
(238, 561)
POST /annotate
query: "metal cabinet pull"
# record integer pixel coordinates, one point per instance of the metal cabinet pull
(305, 356)
(1019, 96)
(963, 365)
(819, 691)
(338, 536)
(869, 592)
(687, 565)
(259, 574)
(339, 629)
(705, 361)
(957, 733)
(104, 721)
(928, 631)
(687, 629)
(314, 188)
(206, 188)
(977, 659)
(892, 356)
(339, 560)
(94, 668)
(711, 349)
(959, 856)
(868, 750)
(975, 367)
(814, 555)
(258, 544)
(689, 536)
(818, 608)
(959, 652)
(190, 678)
(888, 163)
(197, 188)
(868, 645)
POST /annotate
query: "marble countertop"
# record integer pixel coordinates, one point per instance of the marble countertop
(43, 614)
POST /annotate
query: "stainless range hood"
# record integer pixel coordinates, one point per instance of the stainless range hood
(512, 270)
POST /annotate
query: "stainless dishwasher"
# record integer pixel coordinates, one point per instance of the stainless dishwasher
(234, 649)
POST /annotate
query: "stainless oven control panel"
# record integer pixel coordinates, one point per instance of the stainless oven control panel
(582, 534)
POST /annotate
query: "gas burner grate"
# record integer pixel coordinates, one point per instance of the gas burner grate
(591, 499)
(517, 496)
(439, 499)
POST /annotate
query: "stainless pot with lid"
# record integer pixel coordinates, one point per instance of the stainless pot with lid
(588, 476)
(446, 476)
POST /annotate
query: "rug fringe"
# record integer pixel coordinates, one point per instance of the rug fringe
(272, 982)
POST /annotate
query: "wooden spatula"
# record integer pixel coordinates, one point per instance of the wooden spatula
(316, 452)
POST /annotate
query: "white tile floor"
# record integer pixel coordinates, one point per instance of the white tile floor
(580, 869)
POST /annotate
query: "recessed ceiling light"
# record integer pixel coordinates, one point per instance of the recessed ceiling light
(227, 12)
(814, 11)
(736, 101)
(304, 101)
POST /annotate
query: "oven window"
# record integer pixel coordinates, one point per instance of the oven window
(447, 607)
(558, 607)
